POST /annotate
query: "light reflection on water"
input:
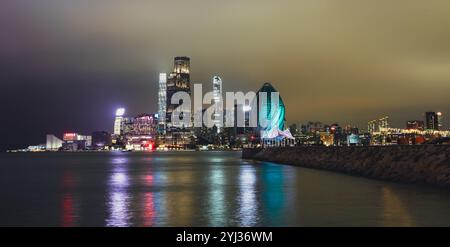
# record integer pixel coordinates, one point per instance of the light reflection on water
(395, 213)
(202, 189)
(273, 194)
(118, 197)
(68, 207)
(217, 207)
(248, 207)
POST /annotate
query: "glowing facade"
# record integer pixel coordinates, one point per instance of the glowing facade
(432, 120)
(276, 116)
(162, 99)
(118, 121)
(218, 101)
(439, 117)
(374, 126)
(53, 143)
(178, 80)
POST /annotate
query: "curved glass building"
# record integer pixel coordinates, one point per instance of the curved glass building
(276, 116)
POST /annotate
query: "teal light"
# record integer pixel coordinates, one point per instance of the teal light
(276, 118)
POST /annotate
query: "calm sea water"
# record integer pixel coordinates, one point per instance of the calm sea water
(201, 189)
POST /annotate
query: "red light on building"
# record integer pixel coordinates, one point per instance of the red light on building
(148, 145)
(70, 136)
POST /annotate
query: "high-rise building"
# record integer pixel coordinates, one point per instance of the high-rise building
(439, 117)
(118, 121)
(162, 99)
(378, 125)
(432, 120)
(218, 101)
(177, 81)
(143, 125)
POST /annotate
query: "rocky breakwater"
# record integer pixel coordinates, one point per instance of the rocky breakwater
(419, 164)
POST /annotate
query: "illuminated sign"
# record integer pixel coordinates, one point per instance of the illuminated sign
(70, 136)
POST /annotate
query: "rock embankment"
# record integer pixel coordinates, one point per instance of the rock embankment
(419, 164)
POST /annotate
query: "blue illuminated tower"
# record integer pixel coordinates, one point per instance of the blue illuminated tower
(276, 117)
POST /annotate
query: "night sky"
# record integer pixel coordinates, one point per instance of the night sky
(67, 64)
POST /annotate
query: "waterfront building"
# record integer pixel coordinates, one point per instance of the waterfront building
(74, 142)
(140, 132)
(378, 125)
(53, 143)
(101, 140)
(218, 101)
(36, 148)
(162, 102)
(142, 125)
(118, 124)
(339, 135)
(175, 135)
(439, 117)
(276, 117)
(326, 139)
(271, 132)
(415, 125)
(432, 120)
(353, 140)
(177, 81)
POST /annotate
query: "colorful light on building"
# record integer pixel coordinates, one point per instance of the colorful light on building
(275, 117)
(70, 136)
(118, 121)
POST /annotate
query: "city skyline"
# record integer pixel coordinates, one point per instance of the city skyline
(328, 69)
(246, 120)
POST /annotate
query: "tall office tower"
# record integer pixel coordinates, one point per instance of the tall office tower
(439, 117)
(217, 98)
(431, 121)
(162, 99)
(178, 80)
(118, 121)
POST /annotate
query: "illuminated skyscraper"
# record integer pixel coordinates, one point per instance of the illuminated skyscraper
(162, 99)
(217, 99)
(118, 121)
(439, 117)
(178, 80)
(378, 125)
(432, 120)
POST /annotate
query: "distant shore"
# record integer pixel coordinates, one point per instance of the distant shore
(124, 151)
(417, 164)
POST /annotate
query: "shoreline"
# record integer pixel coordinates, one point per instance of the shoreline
(120, 151)
(420, 164)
